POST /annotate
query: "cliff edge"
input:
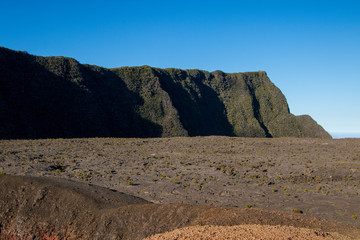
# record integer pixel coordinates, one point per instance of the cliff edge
(57, 97)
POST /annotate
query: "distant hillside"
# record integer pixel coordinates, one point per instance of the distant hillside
(57, 97)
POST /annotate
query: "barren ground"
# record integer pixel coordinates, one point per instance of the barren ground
(246, 231)
(313, 177)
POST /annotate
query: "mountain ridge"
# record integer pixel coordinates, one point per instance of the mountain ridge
(57, 97)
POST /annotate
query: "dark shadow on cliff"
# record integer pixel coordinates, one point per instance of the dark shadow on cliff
(256, 106)
(201, 111)
(78, 101)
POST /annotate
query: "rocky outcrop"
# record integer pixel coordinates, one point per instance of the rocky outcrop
(53, 97)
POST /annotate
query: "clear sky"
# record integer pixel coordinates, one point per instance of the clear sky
(309, 48)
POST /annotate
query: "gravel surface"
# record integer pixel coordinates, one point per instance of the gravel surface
(311, 176)
(245, 232)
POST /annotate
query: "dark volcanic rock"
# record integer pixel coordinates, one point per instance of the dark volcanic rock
(53, 97)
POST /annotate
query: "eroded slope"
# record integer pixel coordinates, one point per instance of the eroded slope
(52, 209)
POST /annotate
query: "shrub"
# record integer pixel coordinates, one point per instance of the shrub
(295, 210)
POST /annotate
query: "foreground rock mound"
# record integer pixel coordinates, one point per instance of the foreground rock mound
(53, 97)
(244, 232)
(44, 208)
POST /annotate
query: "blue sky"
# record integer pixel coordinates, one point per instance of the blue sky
(310, 49)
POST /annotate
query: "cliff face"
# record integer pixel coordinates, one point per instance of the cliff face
(52, 97)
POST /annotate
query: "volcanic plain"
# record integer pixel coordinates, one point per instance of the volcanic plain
(302, 178)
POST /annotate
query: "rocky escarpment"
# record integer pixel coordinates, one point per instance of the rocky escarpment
(52, 97)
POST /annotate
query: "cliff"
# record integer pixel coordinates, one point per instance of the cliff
(57, 97)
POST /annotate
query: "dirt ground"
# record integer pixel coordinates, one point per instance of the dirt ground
(313, 177)
(55, 208)
(245, 232)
